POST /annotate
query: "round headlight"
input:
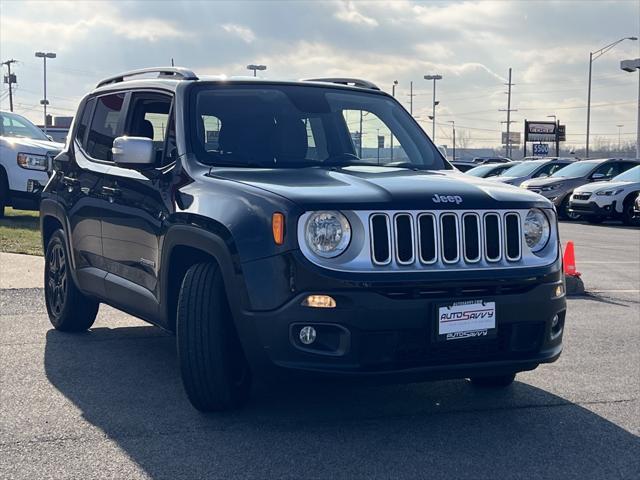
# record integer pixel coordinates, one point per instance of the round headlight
(536, 229)
(327, 233)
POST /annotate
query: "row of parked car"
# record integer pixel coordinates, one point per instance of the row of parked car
(575, 187)
(591, 189)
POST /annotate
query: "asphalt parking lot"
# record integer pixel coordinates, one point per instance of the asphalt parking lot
(109, 403)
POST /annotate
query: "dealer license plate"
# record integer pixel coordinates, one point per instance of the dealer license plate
(467, 319)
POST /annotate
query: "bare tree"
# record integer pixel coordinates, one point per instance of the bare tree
(463, 138)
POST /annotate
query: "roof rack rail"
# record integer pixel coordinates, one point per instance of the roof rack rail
(177, 72)
(354, 82)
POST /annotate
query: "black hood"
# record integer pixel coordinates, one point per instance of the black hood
(383, 188)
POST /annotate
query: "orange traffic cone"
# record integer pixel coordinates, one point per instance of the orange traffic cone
(569, 261)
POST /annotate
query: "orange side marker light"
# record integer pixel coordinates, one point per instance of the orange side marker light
(277, 225)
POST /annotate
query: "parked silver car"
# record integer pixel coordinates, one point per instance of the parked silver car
(532, 169)
(560, 185)
(489, 170)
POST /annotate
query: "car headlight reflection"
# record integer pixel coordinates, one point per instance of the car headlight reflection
(537, 229)
(327, 233)
(32, 161)
(609, 193)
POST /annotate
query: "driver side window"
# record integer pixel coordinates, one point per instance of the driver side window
(608, 170)
(149, 118)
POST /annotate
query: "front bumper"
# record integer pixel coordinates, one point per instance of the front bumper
(592, 208)
(25, 200)
(390, 332)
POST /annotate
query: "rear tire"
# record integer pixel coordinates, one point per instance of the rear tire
(215, 372)
(69, 310)
(499, 381)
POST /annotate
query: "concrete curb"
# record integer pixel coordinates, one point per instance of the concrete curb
(21, 271)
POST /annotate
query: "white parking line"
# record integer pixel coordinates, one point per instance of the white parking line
(614, 261)
(615, 291)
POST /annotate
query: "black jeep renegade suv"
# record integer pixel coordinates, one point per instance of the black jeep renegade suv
(306, 227)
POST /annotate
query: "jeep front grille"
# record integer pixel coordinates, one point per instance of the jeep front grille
(581, 196)
(446, 237)
(411, 241)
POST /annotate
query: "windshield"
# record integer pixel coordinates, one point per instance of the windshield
(578, 169)
(523, 169)
(13, 125)
(632, 175)
(285, 126)
(480, 171)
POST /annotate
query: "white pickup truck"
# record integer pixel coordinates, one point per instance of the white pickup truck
(25, 162)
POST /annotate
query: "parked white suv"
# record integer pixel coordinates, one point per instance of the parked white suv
(25, 162)
(612, 199)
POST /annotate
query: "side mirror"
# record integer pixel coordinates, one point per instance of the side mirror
(596, 177)
(543, 175)
(133, 152)
(50, 138)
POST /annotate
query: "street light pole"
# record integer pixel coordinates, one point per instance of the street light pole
(453, 124)
(632, 66)
(44, 102)
(434, 78)
(594, 56)
(256, 68)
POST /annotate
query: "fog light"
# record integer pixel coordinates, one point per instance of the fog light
(32, 185)
(307, 335)
(319, 301)
(558, 291)
(554, 322)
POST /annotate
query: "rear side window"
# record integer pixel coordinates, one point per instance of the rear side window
(84, 121)
(104, 126)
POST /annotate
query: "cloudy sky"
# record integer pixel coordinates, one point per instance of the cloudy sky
(472, 44)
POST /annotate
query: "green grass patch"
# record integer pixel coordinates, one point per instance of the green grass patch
(20, 232)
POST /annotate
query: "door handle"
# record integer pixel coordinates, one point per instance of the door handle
(110, 191)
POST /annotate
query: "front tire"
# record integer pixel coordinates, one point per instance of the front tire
(4, 192)
(214, 370)
(565, 213)
(628, 215)
(499, 381)
(69, 310)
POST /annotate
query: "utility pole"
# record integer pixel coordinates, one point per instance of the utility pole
(393, 94)
(10, 79)
(434, 78)
(360, 143)
(507, 146)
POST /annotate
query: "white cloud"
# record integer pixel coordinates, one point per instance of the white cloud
(349, 13)
(66, 36)
(244, 33)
